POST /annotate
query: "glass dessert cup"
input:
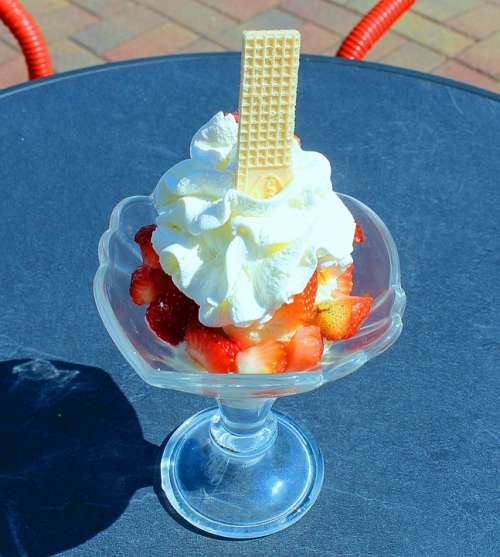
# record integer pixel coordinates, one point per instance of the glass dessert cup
(241, 470)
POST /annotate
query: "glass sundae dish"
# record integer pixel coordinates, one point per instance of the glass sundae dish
(237, 280)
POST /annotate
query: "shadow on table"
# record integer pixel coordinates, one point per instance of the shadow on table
(72, 455)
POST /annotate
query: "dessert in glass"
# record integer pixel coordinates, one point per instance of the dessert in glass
(244, 277)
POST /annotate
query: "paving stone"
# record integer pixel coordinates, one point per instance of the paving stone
(414, 56)
(479, 22)
(166, 39)
(37, 7)
(64, 21)
(102, 8)
(56, 19)
(67, 55)
(460, 72)
(389, 42)
(203, 45)
(385, 45)
(13, 72)
(271, 19)
(7, 52)
(133, 28)
(9, 39)
(206, 21)
(332, 50)
(58, 22)
(315, 39)
(361, 6)
(241, 9)
(112, 31)
(4, 32)
(335, 18)
(441, 10)
(484, 55)
(431, 34)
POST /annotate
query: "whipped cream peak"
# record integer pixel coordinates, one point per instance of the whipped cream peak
(215, 142)
(240, 258)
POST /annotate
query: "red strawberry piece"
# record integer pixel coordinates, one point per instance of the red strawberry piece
(344, 283)
(281, 327)
(305, 349)
(236, 115)
(359, 312)
(359, 235)
(170, 313)
(179, 300)
(285, 321)
(268, 357)
(211, 348)
(164, 320)
(303, 303)
(146, 284)
(245, 336)
(335, 282)
(143, 238)
(341, 317)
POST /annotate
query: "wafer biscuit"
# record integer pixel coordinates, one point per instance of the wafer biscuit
(268, 92)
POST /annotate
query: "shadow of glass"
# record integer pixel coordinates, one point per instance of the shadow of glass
(72, 454)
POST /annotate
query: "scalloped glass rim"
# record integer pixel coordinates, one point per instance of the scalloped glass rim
(342, 358)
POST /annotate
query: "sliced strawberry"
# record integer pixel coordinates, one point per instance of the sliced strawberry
(327, 278)
(303, 303)
(359, 235)
(146, 284)
(334, 318)
(211, 348)
(341, 318)
(281, 327)
(359, 312)
(170, 310)
(305, 349)
(285, 321)
(245, 336)
(165, 321)
(169, 315)
(143, 238)
(333, 282)
(269, 357)
(179, 300)
(236, 115)
(344, 283)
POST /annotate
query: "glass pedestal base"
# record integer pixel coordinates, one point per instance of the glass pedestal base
(241, 494)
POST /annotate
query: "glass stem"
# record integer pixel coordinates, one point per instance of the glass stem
(244, 428)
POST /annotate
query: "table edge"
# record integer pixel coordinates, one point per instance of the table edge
(318, 58)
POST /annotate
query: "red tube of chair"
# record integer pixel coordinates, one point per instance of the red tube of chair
(23, 26)
(369, 30)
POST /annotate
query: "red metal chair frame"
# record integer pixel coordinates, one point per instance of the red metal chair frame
(369, 30)
(24, 27)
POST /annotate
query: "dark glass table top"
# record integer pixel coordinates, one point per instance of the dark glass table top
(408, 440)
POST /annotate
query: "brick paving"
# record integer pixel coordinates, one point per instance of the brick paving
(459, 39)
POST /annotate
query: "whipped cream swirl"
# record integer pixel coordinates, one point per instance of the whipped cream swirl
(241, 258)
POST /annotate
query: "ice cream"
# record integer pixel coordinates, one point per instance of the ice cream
(249, 267)
(236, 256)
